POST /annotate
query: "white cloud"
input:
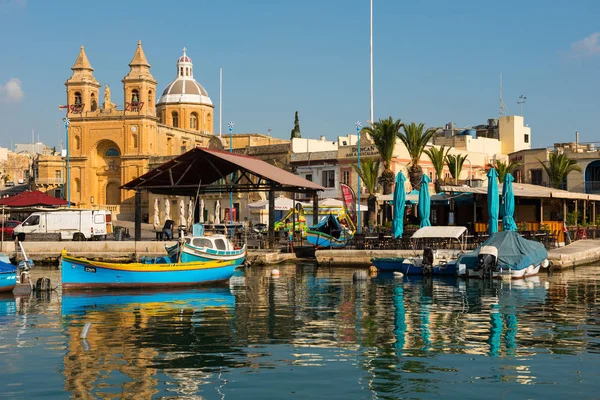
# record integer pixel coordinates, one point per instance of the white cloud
(588, 46)
(12, 91)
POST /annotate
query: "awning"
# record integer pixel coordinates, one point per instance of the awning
(439, 232)
(32, 199)
(527, 190)
(208, 171)
(281, 204)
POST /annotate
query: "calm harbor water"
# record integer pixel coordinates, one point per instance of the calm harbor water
(311, 333)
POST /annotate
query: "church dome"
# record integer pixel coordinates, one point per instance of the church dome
(185, 89)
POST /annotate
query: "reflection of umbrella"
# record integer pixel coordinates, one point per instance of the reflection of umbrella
(399, 318)
(508, 205)
(190, 218)
(399, 205)
(167, 209)
(218, 213)
(156, 216)
(181, 212)
(201, 216)
(492, 199)
(424, 201)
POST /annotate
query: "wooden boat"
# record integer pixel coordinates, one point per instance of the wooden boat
(450, 241)
(205, 248)
(8, 276)
(330, 233)
(79, 273)
(506, 255)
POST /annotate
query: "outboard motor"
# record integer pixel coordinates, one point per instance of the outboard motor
(487, 261)
(428, 261)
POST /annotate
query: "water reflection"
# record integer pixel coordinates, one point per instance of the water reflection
(314, 333)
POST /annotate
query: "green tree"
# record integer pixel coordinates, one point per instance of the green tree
(558, 168)
(383, 134)
(415, 137)
(438, 159)
(455, 164)
(296, 130)
(503, 168)
(368, 171)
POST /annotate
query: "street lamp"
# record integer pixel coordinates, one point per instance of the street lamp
(66, 121)
(358, 126)
(231, 125)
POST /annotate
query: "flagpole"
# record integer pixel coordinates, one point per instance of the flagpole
(371, 58)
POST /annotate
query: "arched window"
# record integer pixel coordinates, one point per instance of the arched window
(134, 140)
(112, 152)
(194, 121)
(175, 117)
(77, 142)
(135, 96)
(77, 98)
(150, 99)
(94, 103)
(77, 185)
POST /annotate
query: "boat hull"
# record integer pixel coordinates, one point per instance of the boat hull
(508, 273)
(84, 274)
(388, 263)
(323, 241)
(8, 277)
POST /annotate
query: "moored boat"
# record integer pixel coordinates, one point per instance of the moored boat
(506, 255)
(330, 233)
(8, 276)
(79, 273)
(206, 248)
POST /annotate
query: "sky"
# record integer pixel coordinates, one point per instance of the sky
(435, 61)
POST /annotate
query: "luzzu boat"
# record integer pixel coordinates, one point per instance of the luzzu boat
(439, 261)
(8, 276)
(205, 248)
(79, 273)
(329, 233)
(506, 255)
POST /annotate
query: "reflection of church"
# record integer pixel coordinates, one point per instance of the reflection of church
(110, 145)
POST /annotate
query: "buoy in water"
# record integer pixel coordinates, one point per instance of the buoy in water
(398, 274)
(275, 273)
(359, 276)
(85, 330)
(372, 269)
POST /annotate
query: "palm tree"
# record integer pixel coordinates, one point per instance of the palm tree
(368, 171)
(383, 134)
(438, 158)
(415, 138)
(559, 166)
(455, 164)
(503, 168)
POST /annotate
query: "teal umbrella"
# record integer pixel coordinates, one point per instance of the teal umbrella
(493, 201)
(399, 205)
(508, 204)
(424, 201)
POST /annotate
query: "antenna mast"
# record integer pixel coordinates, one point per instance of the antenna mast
(520, 102)
(503, 108)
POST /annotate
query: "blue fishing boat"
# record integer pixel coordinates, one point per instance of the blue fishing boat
(449, 241)
(205, 248)
(330, 233)
(79, 273)
(8, 276)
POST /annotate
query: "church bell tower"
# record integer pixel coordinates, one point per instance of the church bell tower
(82, 87)
(139, 86)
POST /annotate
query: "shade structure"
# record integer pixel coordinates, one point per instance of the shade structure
(167, 209)
(182, 221)
(399, 205)
(424, 201)
(281, 204)
(329, 202)
(508, 204)
(156, 222)
(493, 201)
(32, 199)
(201, 216)
(218, 212)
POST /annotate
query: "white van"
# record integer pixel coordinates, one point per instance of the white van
(66, 225)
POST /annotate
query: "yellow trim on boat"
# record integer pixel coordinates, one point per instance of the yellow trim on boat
(140, 267)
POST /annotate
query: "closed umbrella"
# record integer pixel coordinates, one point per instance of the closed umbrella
(181, 212)
(167, 209)
(493, 201)
(156, 222)
(201, 216)
(424, 201)
(190, 217)
(508, 204)
(218, 213)
(399, 205)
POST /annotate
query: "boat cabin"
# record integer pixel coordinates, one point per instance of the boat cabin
(216, 242)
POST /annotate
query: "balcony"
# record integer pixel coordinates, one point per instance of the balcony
(48, 181)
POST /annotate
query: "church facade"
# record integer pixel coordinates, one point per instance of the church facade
(110, 145)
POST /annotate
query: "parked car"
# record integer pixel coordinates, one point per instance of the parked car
(9, 184)
(9, 226)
